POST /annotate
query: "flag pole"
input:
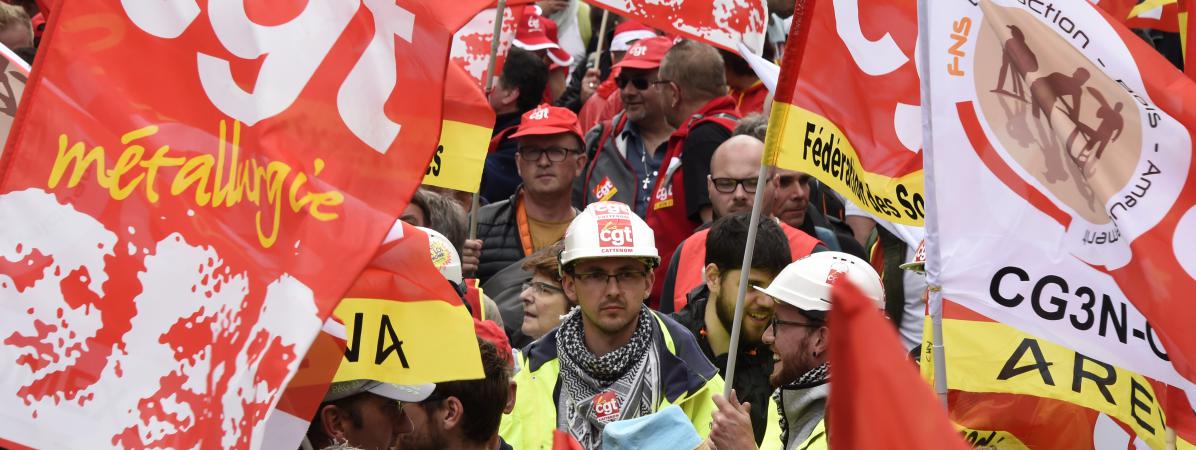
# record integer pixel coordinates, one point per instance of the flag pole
(933, 261)
(495, 42)
(744, 271)
(601, 36)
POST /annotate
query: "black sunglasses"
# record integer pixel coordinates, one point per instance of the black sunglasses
(640, 83)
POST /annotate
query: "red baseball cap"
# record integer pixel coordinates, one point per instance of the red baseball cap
(492, 333)
(627, 33)
(537, 32)
(646, 53)
(547, 120)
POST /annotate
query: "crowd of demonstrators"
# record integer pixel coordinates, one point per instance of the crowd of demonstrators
(577, 216)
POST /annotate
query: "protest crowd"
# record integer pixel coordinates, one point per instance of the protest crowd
(641, 272)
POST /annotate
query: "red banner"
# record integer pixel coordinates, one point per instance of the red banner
(718, 23)
(855, 126)
(188, 190)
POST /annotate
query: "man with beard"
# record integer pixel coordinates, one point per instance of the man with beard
(798, 337)
(549, 158)
(625, 152)
(611, 358)
(362, 414)
(462, 415)
(734, 168)
(710, 312)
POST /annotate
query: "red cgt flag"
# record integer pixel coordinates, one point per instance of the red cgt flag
(188, 190)
(721, 24)
(877, 398)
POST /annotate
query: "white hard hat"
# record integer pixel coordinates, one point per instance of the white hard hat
(444, 255)
(606, 230)
(806, 283)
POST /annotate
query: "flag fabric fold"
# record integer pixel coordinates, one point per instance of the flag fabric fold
(877, 398)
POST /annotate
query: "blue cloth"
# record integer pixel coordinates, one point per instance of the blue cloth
(500, 177)
(668, 428)
(645, 168)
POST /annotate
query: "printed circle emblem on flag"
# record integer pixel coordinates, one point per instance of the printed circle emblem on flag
(1069, 126)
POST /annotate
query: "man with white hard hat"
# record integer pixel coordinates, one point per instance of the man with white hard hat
(799, 339)
(611, 358)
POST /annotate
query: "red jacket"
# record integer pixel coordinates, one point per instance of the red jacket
(667, 212)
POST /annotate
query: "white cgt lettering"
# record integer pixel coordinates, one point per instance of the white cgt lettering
(873, 57)
(292, 53)
(166, 19)
(370, 83)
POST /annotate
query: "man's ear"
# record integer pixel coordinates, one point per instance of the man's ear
(712, 277)
(508, 96)
(334, 420)
(512, 390)
(451, 413)
(822, 340)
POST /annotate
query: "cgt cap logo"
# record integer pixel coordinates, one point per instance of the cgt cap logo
(638, 50)
(533, 23)
(615, 232)
(540, 113)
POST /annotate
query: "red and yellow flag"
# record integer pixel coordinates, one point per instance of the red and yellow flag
(1012, 390)
(188, 191)
(877, 399)
(847, 110)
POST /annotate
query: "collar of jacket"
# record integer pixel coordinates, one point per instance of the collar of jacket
(683, 366)
(719, 105)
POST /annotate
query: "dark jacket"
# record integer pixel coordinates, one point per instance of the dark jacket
(753, 365)
(498, 228)
(500, 177)
(606, 164)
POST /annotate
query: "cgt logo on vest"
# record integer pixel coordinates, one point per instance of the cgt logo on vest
(606, 407)
(615, 234)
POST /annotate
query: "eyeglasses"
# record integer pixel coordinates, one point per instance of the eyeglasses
(539, 288)
(776, 323)
(625, 279)
(728, 185)
(640, 83)
(555, 154)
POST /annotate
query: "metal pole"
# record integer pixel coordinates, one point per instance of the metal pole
(933, 261)
(748, 249)
(495, 42)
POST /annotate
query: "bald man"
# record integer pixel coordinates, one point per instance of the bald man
(734, 168)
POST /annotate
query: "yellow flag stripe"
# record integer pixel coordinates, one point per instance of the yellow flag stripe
(1147, 6)
(460, 158)
(804, 141)
(993, 357)
(407, 342)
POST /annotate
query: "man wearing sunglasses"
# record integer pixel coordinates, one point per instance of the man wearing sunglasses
(626, 151)
(611, 358)
(798, 337)
(549, 159)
